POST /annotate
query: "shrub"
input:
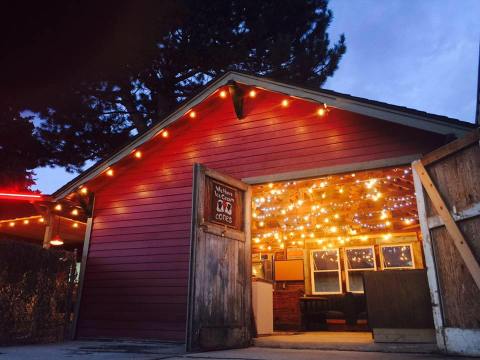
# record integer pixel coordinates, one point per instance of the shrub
(36, 290)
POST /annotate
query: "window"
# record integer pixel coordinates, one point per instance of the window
(397, 257)
(326, 275)
(357, 261)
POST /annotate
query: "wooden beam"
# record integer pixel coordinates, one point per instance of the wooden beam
(83, 266)
(236, 94)
(450, 224)
(429, 261)
(49, 221)
(332, 170)
(472, 211)
(451, 147)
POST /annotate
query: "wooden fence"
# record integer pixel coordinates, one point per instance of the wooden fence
(448, 197)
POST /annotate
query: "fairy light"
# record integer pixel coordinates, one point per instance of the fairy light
(294, 212)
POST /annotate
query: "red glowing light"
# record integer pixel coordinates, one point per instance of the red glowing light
(19, 196)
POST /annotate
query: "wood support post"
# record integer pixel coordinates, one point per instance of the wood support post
(50, 223)
(237, 94)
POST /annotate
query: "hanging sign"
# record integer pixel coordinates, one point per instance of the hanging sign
(223, 204)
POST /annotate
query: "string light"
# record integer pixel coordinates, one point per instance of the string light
(58, 207)
(83, 190)
(41, 220)
(192, 114)
(285, 102)
(321, 111)
(75, 225)
(165, 134)
(11, 224)
(110, 172)
(74, 212)
(26, 221)
(223, 94)
(252, 93)
(138, 154)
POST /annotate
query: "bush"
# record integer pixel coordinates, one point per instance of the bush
(36, 290)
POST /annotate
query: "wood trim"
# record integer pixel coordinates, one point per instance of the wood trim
(472, 211)
(197, 176)
(330, 170)
(429, 261)
(81, 281)
(450, 224)
(47, 236)
(344, 103)
(451, 147)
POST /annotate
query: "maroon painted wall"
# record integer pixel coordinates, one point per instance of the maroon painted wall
(136, 276)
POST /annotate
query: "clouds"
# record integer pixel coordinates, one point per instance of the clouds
(420, 54)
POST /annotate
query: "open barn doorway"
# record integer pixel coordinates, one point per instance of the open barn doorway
(340, 253)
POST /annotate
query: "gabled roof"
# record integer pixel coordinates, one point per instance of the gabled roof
(376, 109)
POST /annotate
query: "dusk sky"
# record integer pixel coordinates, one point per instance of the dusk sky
(419, 54)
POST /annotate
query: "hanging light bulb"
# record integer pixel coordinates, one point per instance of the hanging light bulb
(26, 221)
(192, 114)
(75, 225)
(58, 207)
(74, 212)
(285, 102)
(110, 172)
(83, 190)
(165, 134)
(321, 111)
(41, 220)
(11, 224)
(138, 154)
(223, 94)
(252, 93)
(56, 241)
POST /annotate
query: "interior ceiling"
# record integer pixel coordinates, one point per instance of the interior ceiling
(334, 210)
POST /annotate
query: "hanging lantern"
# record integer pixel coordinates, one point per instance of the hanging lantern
(56, 241)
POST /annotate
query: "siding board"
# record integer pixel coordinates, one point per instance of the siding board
(136, 276)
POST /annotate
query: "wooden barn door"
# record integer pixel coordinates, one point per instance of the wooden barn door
(448, 198)
(219, 309)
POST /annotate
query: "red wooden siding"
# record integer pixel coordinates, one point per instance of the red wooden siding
(136, 277)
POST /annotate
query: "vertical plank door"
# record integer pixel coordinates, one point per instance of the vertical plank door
(219, 305)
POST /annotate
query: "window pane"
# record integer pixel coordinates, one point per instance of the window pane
(326, 282)
(397, 256)
(325, 259)
(363, 258)
(355, 281)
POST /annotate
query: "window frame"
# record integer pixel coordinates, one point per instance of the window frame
(382, 258)
(313, 271)
(347, 269)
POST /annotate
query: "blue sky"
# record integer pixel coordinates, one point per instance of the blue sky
(420, 54)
